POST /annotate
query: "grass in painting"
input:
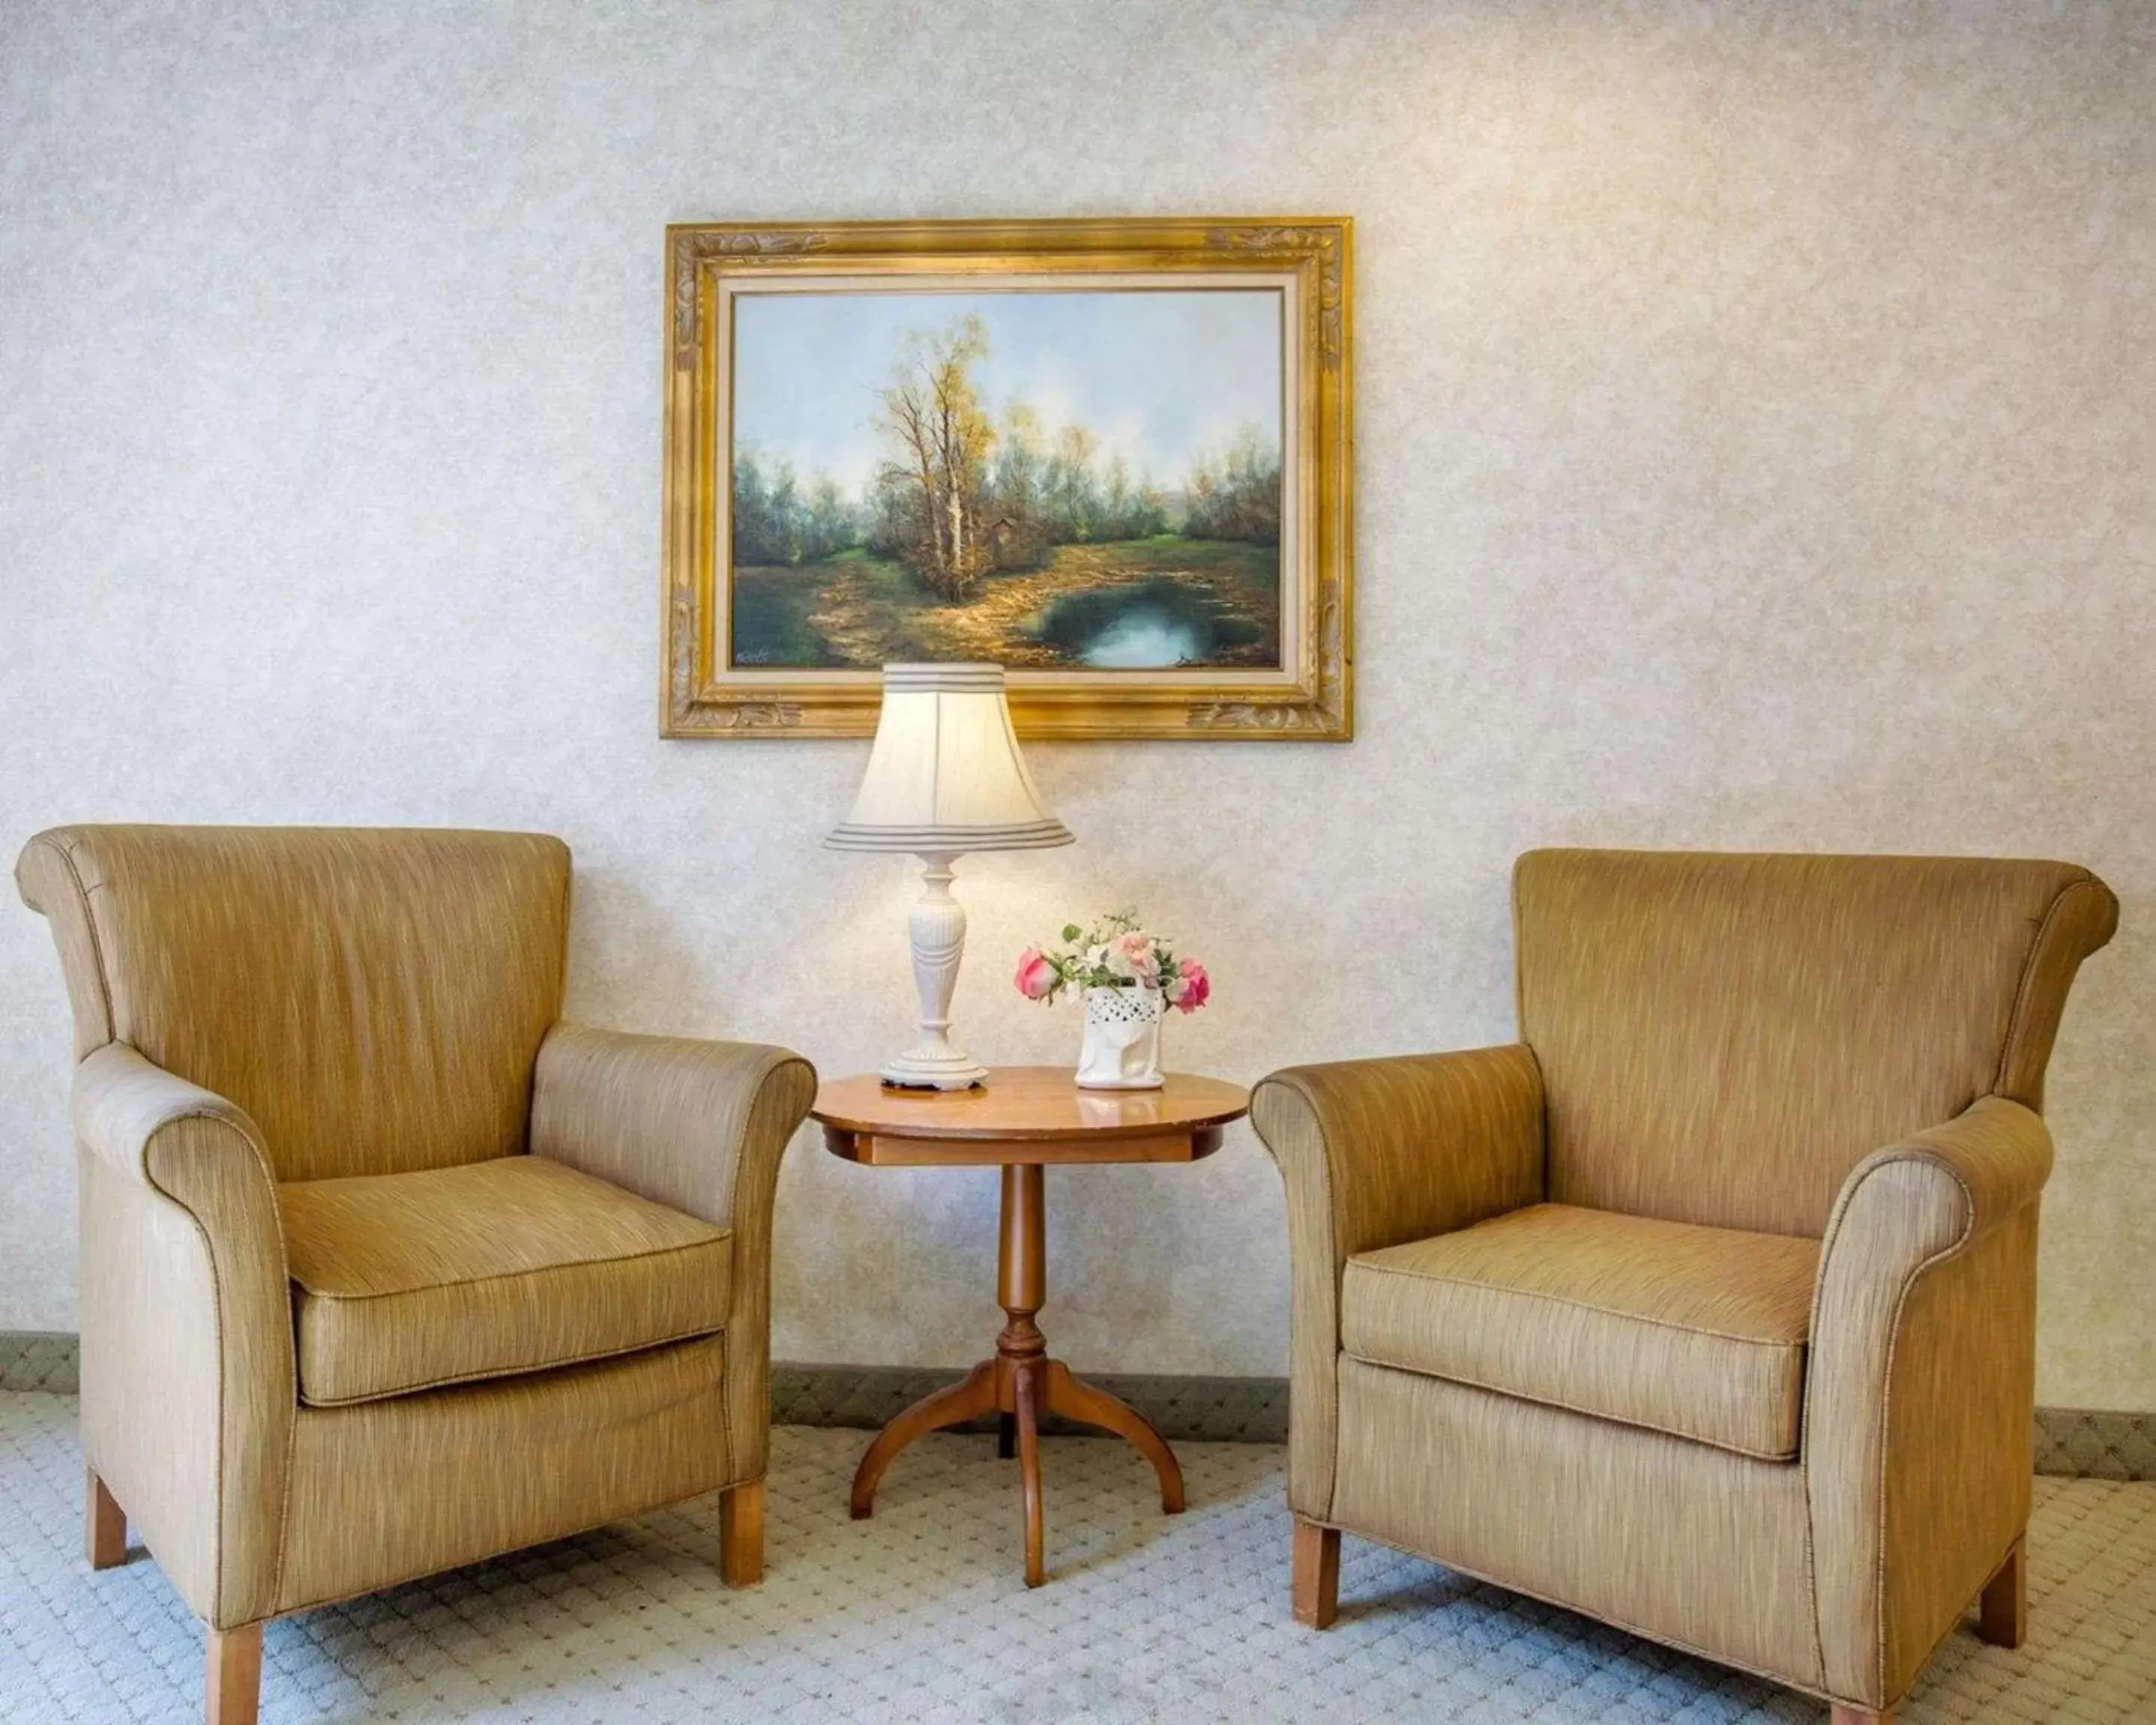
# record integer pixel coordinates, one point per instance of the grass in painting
(1161, 601)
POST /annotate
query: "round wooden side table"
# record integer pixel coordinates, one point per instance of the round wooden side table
(1023, 1119)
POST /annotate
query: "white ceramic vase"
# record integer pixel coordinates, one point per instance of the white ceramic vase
(1121, 1050)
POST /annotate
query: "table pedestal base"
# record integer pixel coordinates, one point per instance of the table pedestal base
(1020, 1383)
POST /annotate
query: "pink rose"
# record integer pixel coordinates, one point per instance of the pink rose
(1036, 976)
(1139, 960)
(1190, 987)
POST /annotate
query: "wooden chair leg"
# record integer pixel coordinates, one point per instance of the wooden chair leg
(104, 1524)
(233, 1690)
(1317, 1573)
(741, 1534)
(2003, 1611)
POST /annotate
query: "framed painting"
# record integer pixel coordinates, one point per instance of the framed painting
(1109, 455)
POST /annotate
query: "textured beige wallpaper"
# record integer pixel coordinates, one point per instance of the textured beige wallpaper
(1753, 415)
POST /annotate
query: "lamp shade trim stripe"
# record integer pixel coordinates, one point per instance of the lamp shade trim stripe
(1033, 835)
(943, 679)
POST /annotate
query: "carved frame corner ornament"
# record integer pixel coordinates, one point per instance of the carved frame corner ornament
(1309, 698)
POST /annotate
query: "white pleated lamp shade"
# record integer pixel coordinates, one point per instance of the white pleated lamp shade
(945, 775)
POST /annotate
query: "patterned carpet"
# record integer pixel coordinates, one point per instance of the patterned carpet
(922, 1614)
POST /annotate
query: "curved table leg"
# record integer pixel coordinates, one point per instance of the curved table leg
(1027, 1388)
(1073, 1398)
(967, 1399)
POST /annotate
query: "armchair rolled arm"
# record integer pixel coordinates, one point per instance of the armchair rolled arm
(123, 1104)
(698, 1125)
(167, 1143)
(701, 1126)
(1922, 1373)
(201, 1151)
(1401, 1149)
(1375, 1152)
(1973, 1173)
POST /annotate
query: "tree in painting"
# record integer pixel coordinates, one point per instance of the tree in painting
(935, 487)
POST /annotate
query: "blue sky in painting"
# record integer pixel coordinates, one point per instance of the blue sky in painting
(1160, 377)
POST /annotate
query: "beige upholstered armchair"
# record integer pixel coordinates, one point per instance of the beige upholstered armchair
(1708, 1307)
(384, 1269)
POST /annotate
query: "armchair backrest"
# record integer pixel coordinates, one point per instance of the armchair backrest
(373, 997)
(1723, 1038)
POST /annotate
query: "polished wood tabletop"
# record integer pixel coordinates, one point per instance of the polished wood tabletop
(1021, 1119)
(1025, 1114)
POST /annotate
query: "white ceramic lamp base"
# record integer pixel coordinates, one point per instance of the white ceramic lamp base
(938, 927)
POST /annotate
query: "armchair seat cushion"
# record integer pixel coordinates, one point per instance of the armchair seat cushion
(403, 1282)
(1697, 1331)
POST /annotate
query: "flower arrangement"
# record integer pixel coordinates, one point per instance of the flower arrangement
(1114, 953)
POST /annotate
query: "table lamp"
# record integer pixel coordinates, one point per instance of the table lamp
(945, 777)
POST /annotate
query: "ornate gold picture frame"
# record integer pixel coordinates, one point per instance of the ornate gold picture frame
(1113, 455)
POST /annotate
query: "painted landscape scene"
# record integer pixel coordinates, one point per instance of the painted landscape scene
(1057, 479)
